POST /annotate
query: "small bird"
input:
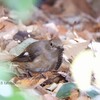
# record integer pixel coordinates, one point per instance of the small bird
(41, 56)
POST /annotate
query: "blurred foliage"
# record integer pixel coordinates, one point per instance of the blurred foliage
(92, 94)
(6, 73)
(19, 4)
(8, 91)
(23, 8)
(65, 90)
(11, 92)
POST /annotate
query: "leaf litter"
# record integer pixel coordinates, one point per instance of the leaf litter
(75, 27)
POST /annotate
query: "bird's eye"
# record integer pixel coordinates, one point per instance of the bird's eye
(51, 44)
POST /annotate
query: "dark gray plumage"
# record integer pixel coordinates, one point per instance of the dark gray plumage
(41, 56)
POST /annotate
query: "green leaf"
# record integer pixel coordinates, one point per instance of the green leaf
(20, 4)
(17, 96)
(2, 98)
(20, 48)
(11, 92)
(6, 72)
(22, 7)
(92, 93)
(66, 90)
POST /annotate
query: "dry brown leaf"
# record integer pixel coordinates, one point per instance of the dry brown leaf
(25, 83)
(43, 32)
(3, 10)
(7, 26)
(74, 95)
(2, 44)
(71, 50)
(11, 45)
(40, 82)
(96, 28)
(62, 30)
(1, 26)
(85, 35)
(41, 90)
(73, 7)
(5, 56)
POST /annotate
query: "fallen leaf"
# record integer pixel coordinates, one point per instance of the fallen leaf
(73, 48)
(5, 56)
(66, 90)
(11, 45)
(20, 48)
(24, 83)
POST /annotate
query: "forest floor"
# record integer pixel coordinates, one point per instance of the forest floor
(77, 25)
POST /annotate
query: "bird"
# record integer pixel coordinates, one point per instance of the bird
(41, 56)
